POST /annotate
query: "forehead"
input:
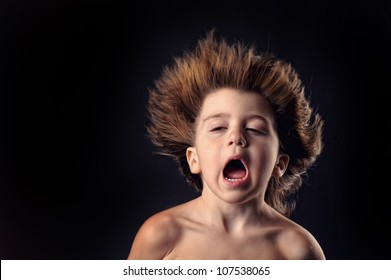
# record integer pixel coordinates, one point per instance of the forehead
(232, 101)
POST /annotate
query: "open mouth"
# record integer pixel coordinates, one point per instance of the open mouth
(235, 170)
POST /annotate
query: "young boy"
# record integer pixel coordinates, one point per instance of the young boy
(242, 132)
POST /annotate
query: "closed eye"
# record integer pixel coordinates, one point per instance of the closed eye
(256, 131)
(218, 128)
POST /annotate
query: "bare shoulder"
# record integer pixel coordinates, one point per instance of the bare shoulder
(157, 236)
(296, 242)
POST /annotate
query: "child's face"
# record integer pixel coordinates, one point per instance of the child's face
(236, 145)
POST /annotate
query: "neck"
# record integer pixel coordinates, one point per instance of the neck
(230, 216)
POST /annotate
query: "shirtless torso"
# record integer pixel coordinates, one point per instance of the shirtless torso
(188, 232)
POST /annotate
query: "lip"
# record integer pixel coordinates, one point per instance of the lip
(240, 182)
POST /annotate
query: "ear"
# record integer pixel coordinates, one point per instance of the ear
(192, 160)
(281, 165)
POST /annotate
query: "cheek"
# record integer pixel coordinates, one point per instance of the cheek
(209, 156)
(265, 159)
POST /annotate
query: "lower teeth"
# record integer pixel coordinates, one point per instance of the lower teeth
(232, 179)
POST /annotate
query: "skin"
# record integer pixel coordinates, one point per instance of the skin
(230, 220)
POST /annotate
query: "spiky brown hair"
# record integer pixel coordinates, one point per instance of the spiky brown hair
(177, 96)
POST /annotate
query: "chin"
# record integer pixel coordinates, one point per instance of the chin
(238, 198)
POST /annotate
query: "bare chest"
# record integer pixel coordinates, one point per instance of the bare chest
(201, 246)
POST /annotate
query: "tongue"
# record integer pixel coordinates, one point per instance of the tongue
(232, 171)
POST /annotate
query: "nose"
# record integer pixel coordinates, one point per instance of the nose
(237, 138)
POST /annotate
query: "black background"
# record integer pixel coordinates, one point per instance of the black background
(77, 173)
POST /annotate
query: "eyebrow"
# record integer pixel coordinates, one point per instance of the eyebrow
(214, 116)
(225, 115)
